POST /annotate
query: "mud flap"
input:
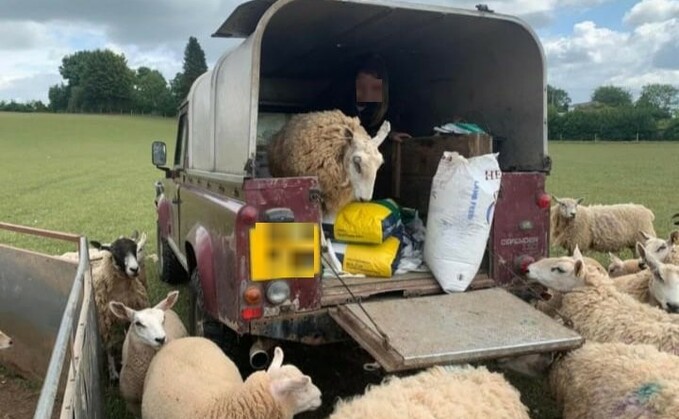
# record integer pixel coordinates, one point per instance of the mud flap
(452, 328)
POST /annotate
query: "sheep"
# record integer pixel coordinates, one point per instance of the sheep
(192, 378)
(149, 329)
(615, 380)
(664, 250)
(5, 341)
(439, 392)
(603, 228)
(336, 149)
(598, 311)
(115, 278)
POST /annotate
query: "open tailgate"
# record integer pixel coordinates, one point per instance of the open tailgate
(452, 328)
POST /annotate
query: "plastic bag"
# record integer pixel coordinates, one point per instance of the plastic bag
(461, 209)
(365, 222)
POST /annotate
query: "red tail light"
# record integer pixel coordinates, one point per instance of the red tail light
(523, 262)
(251, 313)
(544, 201)
(248, 215)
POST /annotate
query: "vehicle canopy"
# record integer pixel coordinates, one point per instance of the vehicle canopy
(443, 63)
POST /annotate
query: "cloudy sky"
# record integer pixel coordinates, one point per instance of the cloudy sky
(587, 42)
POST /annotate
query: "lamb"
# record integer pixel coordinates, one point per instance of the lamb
(115, 278)
(603, 228)
(664, 250)
(439, 392)
(149, 329)
(336, 149)
(192, 378)
(615, 380)
(5, 341)
(598, 311)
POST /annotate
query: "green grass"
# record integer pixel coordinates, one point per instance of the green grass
(92, 175)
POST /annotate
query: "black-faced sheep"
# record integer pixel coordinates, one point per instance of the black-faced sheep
(149, 329)
(336, 149)
(598, 311)
(603, 228)
(115, 278)
(439, 392)
(192, 378)
(5, 341)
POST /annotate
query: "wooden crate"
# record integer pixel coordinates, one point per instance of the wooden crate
(414, 164)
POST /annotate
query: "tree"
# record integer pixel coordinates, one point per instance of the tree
(612, 96)
(194, 66)
(106, 82)
(558, 98)
(150, 92)
(660, 99)
(58, 96)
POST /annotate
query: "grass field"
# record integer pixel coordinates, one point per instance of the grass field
(92, 175)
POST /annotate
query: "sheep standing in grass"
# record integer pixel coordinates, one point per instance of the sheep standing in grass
(615, 380)
(149, 329)
(115, 278)
(439, 392)
(5, 341)
(603, 228)
(192, 378)
(336, 149)
(598, 311)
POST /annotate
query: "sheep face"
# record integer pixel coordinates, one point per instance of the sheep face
(660, 248)
(568, 207)
(617, 267)
(664, 284)
(562, 274)
(125, 252)
(147, 324)
(291, 387)
(5, 341)
(362, 159)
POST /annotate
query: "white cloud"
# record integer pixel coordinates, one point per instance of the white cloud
(648, 11)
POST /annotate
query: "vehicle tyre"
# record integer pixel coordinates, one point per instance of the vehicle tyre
(202, 324)
(171, 271)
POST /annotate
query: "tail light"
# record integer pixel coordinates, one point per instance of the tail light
(523, 262)
(544, 201)
(250, 313)
(252, 295)
(247, 215)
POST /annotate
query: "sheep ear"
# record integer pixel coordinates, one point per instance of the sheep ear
(288, 385)
(579, 200)
(641, 250)
(135, 235)
(141, 242)
(99, 245)
(121, 311)
(169, 301)
(277, 359)
(613, 258)
(674, 237)
(382, 133)
(645, 235)
(348, 135)
(556, 199)
(579, 268)
(576, 253)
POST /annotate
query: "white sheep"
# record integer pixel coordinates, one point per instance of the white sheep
(115, 278)
(616, 380)
(336, 149)
(149, 329)
(665, 251)
(192, 378)
(5, 341)
(439, 392)
(598, 311)
(603, 228)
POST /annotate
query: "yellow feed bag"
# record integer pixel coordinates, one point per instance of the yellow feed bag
(365, 222)
(379, 260)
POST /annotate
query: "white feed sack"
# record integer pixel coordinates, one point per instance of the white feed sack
(461, 208)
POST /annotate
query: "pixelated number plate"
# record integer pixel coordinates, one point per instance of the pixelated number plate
(284, 250)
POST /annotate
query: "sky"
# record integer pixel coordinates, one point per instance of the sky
(587, 43)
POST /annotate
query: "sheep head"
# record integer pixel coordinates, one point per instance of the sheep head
(362, 159)
(147, 324)
(664, 284)
(660, 248)
(561, 274)
(568, 207)
(290, 387)
(125, 252)
(5, 341)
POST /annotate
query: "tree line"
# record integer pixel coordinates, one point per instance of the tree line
(100, 81)
(612, 115)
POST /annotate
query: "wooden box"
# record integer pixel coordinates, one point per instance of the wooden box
(415, 160)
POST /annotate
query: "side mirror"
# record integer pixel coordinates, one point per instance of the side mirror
(158, 153)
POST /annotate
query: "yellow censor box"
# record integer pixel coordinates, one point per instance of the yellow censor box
(284, 250)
